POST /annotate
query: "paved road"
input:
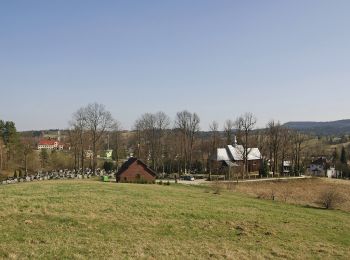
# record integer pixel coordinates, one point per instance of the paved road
(204, 182)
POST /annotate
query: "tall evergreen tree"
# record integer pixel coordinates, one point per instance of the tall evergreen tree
(9, 139)
(335, 156)
(343, 157)
(44, 158)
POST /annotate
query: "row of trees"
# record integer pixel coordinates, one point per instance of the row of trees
(177, 145)
(183, 145)
(280, 144)
(167, 145)
(16, 151)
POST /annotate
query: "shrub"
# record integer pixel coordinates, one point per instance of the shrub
(216, 187)
(160, 182)
(263, 195)
(108, 166)
(286, 192)
(264, 170)
(231, 186)
(267, 194)
(329, 198)
(272, 192)
(141, 181)
(167, 183)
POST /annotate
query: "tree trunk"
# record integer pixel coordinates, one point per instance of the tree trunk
(25, 164)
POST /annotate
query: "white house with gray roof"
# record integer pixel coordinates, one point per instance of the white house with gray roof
(233, 156)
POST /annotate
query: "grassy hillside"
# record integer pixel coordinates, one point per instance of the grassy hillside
(87, 219)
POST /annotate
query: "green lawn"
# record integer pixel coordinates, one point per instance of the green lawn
(90, 219)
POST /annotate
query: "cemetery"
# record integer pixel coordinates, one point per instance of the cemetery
(60, 175)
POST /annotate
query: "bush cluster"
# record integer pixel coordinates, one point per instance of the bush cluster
(329, 198)
(141, 181)
(164, 183)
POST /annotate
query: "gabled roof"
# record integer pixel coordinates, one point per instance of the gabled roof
(49, 142)
(235, 153)
(132, 160)
(320, 161)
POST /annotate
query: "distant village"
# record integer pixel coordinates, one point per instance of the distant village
(230, 158)
(172, 149)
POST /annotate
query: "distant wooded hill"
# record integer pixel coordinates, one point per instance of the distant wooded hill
(340, 127)
(337, 128)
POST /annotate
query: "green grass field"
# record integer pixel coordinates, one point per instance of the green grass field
(90, 219)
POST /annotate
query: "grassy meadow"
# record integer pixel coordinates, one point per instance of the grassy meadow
(90, 219)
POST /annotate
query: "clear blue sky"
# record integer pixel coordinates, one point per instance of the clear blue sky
(284, 60)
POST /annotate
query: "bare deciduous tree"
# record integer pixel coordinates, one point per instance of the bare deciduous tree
(150, 132)
(298, 139)
(188, 124)
(138, 129)
(285, 146)
(96, 121)
(214, 129)
(229, 130)
(162, 125)
(329, 198)
(274, 135)
(27, 150)
(116, 128)
(77, 137)
(244, 125)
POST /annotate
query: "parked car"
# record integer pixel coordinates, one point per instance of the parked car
(188, 178)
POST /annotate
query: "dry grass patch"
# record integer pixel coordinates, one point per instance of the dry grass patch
(316, 192)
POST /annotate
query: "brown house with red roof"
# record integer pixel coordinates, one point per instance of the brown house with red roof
(134, 170)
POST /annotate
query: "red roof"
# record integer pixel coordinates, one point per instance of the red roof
(48, 142)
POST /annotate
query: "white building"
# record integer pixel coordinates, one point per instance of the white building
(233, 155)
